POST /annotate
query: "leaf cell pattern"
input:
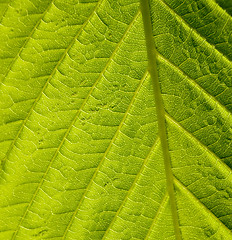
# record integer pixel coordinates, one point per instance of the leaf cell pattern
(80, 152)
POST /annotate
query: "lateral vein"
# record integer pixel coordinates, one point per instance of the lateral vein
(155, 144)
(222, 108)
(162, 205)
(46, 84)
(183, 188)
(104, 156)
(26, 41)
(195, 31)
(68, 130)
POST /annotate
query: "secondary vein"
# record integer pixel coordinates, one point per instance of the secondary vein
(152, 68)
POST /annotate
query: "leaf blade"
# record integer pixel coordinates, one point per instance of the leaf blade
(125, 199)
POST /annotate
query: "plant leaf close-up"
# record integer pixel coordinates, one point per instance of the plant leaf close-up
(115, 119)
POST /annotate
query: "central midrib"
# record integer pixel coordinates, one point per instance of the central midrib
(152, 68)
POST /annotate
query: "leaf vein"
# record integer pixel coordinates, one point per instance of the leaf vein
(104, 156)
(194, 198)
(26, 41)
(71, 125)
(194, 30)
(162, 204)
(197, 86)
(132, 186)
(47, 82)
(206, 149)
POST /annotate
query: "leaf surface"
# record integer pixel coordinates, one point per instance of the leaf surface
(79, 145)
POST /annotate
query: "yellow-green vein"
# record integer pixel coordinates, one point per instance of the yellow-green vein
(71, 125)
(105, 154)
(162, 204)
(152, 67)
(181, 186)
(47, 82)
(193, 83)
(225, 167)
(26, 41)
(194, 30)
(132, 187)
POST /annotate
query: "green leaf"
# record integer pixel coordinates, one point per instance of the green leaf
(80, 147)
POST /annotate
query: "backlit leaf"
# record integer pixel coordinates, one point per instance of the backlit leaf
(80, 150)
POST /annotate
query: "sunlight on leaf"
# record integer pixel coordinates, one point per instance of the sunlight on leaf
(80, 149)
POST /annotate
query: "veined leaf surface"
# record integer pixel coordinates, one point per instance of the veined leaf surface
(79, 145)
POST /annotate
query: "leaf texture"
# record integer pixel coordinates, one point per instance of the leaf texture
(80, 150)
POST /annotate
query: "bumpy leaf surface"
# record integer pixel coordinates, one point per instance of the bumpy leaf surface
(79, 145)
